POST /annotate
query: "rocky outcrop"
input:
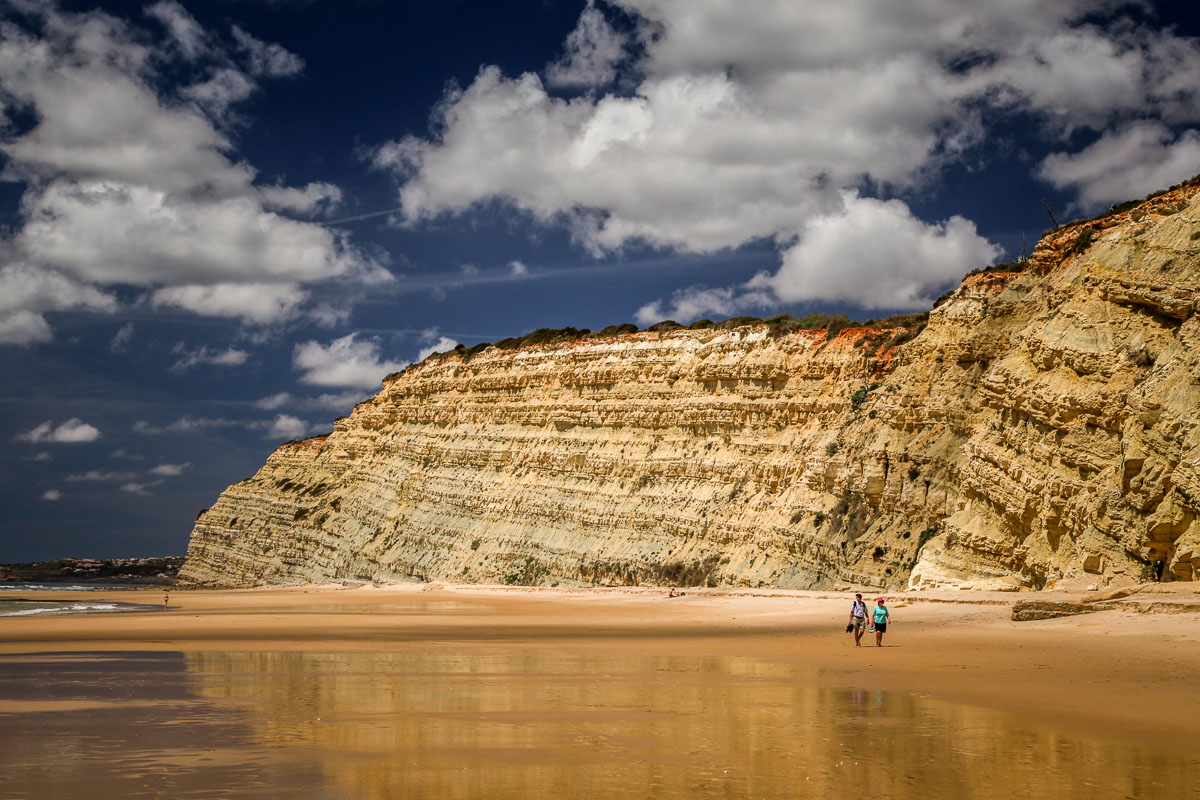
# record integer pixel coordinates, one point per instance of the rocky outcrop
(1030, 610)
(1043, 427)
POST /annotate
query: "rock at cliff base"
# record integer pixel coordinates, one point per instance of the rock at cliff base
(1029, 610)
(1112, 594)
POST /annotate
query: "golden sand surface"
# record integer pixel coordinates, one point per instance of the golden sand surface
(423, 691)
(1123, 672)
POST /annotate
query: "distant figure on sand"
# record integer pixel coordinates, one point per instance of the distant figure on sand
(882, 616)
(166, 599)
(858, 619)
(672, 593)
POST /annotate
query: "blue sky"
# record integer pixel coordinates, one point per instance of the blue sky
(222, 223)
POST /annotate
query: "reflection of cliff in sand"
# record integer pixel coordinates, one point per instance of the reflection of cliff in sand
(550, 724)
(122, 725)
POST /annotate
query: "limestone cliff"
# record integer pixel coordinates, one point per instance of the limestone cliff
(1043, 426)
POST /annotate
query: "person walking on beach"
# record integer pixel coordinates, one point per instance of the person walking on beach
(858, 619)
(166, 599)
(881, 616)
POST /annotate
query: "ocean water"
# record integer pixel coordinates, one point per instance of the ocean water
(24, 586)
(33, 608)
(22, 607)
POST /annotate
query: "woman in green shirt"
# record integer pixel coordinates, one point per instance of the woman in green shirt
(881, 616)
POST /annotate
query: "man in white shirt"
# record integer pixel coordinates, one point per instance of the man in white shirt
(858, 618)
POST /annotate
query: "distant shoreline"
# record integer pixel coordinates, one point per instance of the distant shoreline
(159, 571)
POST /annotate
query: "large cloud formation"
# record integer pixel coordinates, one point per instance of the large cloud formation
(712, 124)
(127, 184)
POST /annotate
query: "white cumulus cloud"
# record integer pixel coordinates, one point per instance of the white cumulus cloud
(1125, 164)
(27, 292)
(254, 302)
(126, 183)
(443, 344)
(52, 495)
(872, 253)
(694, 302)
(735, 123)
(877, 254)
(347, 361)
(73, 431)
(285, 426)
(591, 53)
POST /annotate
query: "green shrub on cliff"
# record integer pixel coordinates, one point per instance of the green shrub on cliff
(618, 330)
(1083, 240)
(543, 336)
(527, 573)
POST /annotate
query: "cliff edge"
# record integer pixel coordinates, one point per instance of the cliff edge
(1044, 426)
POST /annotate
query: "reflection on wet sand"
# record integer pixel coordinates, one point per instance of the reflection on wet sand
(126, 725)
(542, 723)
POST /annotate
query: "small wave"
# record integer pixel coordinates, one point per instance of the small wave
(26, 586)
(78, 608)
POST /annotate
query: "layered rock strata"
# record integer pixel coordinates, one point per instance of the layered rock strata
(1042, 427)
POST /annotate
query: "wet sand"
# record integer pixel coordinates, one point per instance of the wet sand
(422, 670)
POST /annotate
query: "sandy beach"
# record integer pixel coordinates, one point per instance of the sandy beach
(1123, 677)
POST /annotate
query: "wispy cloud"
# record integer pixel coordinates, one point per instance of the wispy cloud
(274, 401)
(100, 475)
(185, 424)
(330, 401)
(229, 357)
(137, 487)
(52, 495)
(169, 470)
(283, 426)
(121, 339)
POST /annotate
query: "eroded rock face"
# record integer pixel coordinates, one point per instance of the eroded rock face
(1043, 427)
